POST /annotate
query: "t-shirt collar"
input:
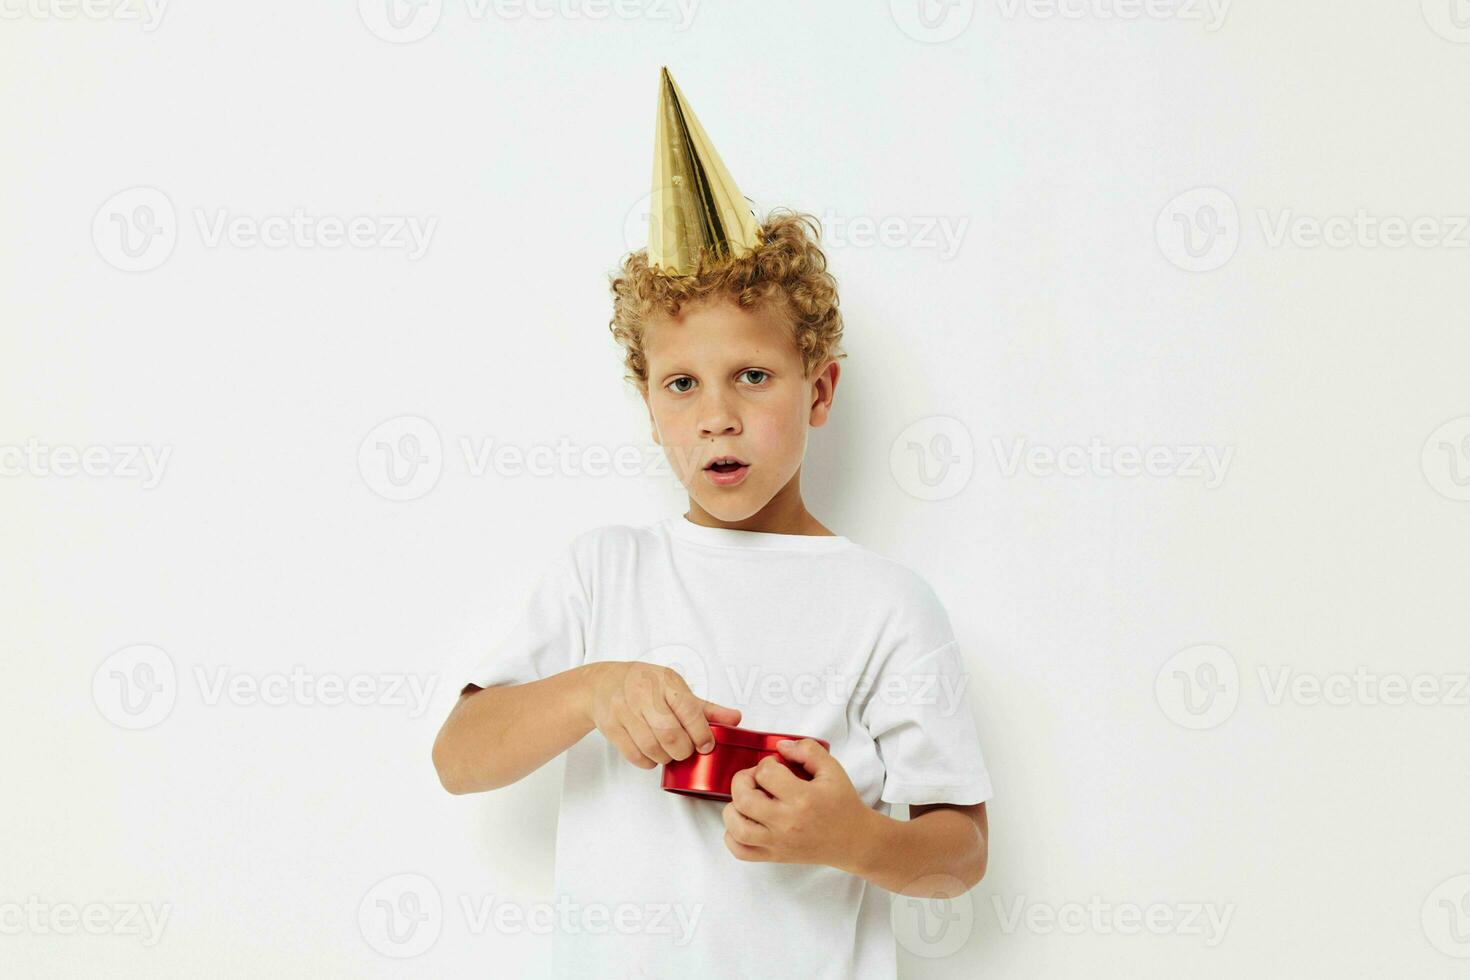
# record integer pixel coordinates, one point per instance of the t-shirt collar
(684, 529)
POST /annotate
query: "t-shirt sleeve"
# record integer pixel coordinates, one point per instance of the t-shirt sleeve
(917, 713)
(550, 634)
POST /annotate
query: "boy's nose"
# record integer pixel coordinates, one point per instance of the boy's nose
(717, 419)
(724, 425)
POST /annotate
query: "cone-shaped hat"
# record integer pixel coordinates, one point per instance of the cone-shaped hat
(695, 204)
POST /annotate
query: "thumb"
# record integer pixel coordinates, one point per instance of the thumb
(721, 714)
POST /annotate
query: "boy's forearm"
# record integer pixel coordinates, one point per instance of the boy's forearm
(475, 750)
(898, 854)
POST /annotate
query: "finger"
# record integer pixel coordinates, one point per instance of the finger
(744, 829)
(775, 778)
(808, 752)
(620, 740)
(668, 730)
(750, 799)
(744, 851)
(689, 709)
(720, 714)
(642, 736)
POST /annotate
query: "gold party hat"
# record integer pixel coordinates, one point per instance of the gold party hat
(695, 207)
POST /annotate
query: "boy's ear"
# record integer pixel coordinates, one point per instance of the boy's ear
(824, 389)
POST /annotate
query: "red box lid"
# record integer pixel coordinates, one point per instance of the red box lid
(751, 739)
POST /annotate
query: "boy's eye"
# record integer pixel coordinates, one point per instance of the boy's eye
(757, 371)
(671, 384)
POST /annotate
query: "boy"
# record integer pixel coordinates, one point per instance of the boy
(744, 611)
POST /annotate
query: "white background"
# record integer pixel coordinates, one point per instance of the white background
(1332, 835)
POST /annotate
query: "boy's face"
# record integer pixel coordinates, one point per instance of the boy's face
(723, 381)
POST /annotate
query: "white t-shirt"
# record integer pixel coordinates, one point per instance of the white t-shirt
(807, 635)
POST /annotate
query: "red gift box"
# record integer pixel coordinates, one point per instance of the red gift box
(708, 775)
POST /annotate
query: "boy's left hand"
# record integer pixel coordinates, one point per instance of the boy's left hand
(775, 815)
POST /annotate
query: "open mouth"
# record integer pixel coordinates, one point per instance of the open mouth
(726, 464)
(726, 471)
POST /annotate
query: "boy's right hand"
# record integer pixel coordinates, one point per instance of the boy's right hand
(649, 714)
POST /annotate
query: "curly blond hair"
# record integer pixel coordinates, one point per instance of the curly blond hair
(788, 268)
